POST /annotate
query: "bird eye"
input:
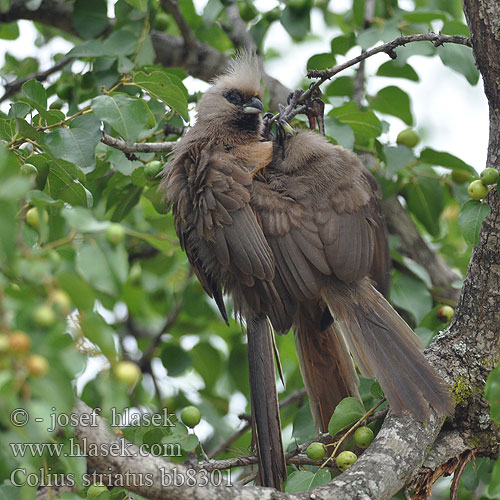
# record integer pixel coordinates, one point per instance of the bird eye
(234, 97)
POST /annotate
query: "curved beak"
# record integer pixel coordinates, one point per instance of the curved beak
(253, 106)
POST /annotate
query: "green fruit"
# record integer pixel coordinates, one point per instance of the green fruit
(115, 234)
(190, 416)
(127, 372)
(345, 459)
(57, 104)
(315, 451)
(489, 176)
(33, 217)
(28, 169)
(477, 190)
(408, 137)
(44, 316)
(363, 436)
(445, 313)
(37, 365)
(64, 91)
(4, 343)
(162, 21)
(152, 169)
(61, 301)
(19, 342)
(95, 490)
(460, 176)
(247, 11)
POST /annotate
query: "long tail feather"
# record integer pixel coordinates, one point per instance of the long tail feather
(385, 347)
(266, 423)
(326, 366)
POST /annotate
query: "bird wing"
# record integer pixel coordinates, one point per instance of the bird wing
(319, 225)
(210, 192)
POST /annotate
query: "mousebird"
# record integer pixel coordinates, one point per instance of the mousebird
(319, 211)
(208, 184)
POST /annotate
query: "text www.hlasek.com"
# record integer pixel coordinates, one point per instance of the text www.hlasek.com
(119, 448)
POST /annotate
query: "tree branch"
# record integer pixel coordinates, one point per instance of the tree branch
(172, 7)
(137, 147)
(12, 87)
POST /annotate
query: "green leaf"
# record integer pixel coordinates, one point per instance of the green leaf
(175, 359)
(393, 101)
(424, 16)
(425, 200)
(77, 143)
(129, 116)
(342, 134)
(460, 59)
(397, 158)
(9, 31)
(90, 17)
(347, 413)
(455, 28)
(140, 5)
(341, 86)
(391, 69)
(161, 86)
(494, 485)
(303, 425)
(364, 123)
(35, 94)
(321, 61)
(492, 393)
(443, 159)
(297, 24)
(470, 220)
(302, 480)
(127, 203)
(83, 220)
(120, 43)
(411, 295)
(207, 362)
(78, 289)
(341, 44)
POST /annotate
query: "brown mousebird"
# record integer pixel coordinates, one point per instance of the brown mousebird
(320, 214)
(208, 184)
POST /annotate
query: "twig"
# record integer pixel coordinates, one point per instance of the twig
(137, 147)
(300, 97)
(464, 460)
(172, 7)
(12, 87)
(239, 33)
(292, 398)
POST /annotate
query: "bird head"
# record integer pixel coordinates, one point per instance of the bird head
(233, 103)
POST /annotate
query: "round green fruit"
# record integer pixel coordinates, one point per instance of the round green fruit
(315, 451)
(19, 342)
(363, 436)
(64, 91)
(408, 137)
(44, 316)
(247, 11)
(61, 301)
(152, 169)
(28, 169)
(4, 343)
(460, 176)
(489, 176)
(162, 21)
(95, 490)
(345, 459)
(115, 234)
(445, 313)
(477, 190)
(190, 416)
(33, 217)
(38, 366)
(127, 372)
(57, 104)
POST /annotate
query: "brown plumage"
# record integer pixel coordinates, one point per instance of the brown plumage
(320, 215)
(208, 185)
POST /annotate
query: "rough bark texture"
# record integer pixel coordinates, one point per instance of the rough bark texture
(465, 353)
